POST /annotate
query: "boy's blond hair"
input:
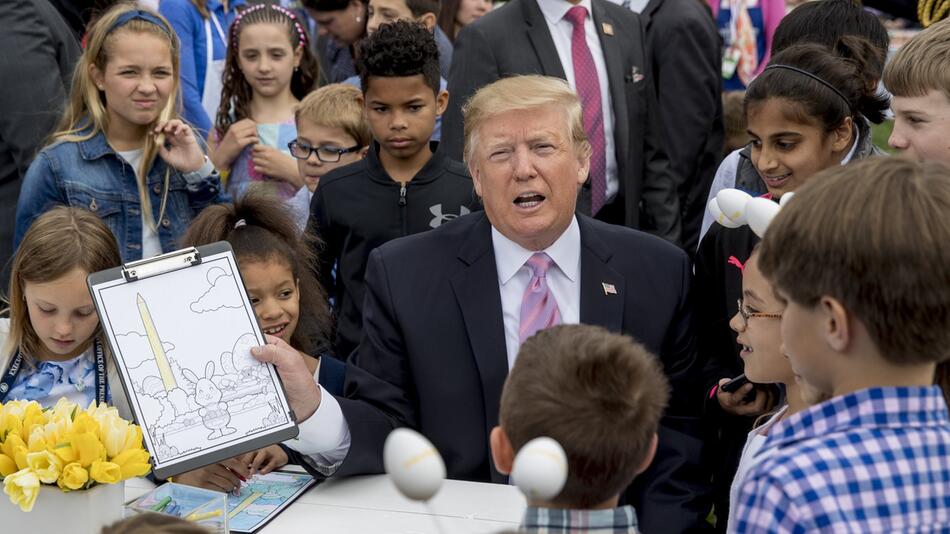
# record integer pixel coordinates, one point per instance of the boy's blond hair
(337, 105)
(922, 65)
(600, 395)
(872, 235)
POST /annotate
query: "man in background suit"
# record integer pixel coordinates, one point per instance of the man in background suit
(446, 311)
(606, 63)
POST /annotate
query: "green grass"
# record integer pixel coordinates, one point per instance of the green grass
(880, 133)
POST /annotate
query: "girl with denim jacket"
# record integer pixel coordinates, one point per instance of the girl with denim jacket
(121, 151)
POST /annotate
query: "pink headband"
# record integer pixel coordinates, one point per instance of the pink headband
(280, 9)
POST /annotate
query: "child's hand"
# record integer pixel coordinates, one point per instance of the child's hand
(265, 460)
(736, 404)
(274, 163)
(225, 476)
(180, 148)
(239, 135)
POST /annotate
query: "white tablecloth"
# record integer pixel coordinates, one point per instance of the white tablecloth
(371, 504)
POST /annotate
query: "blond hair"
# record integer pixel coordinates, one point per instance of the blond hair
(530, 92)
(337, 105)
(58, 241)
(86, 108)
(921, 65)
(872, 235)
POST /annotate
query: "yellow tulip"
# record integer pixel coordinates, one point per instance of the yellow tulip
(105, 472)
(84, 424)
(118, 435)
(133, 463)
(33, 416)
(7, 465)
(15, 448)
(10, 424)
(88, 448)
(46, 465)
(37, 441)
(22, 487)
(73, 477)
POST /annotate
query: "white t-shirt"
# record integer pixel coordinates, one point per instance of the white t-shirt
(151, 244)
(748, 459)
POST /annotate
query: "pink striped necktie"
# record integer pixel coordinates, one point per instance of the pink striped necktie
(538, 306)
(587, 85)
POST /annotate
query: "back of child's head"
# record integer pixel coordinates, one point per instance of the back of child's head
(400, 49)
(872, 235)
(56, 243)
(154, 524)
(826, 22)
(822, 86)
(734, 121)
(599, 395)
(338, 105)
(260, 229)
(418, 8)
(922, 64)
(236, 94)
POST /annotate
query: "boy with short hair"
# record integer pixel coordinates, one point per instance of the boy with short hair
(918, 77)
(404, 185)
(860, 256)
(600, 396)
(331, 132)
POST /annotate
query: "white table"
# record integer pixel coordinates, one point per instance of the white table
(372, 504)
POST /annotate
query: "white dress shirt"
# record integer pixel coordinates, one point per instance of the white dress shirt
(324, 438)
(561, 31)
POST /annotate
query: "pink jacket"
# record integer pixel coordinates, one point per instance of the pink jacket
(772, 13)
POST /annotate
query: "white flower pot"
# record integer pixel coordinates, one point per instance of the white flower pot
(76, 512)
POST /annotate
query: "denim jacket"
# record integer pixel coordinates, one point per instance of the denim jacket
(89, 174)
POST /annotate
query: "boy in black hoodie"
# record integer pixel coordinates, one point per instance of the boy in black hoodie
(404, 185)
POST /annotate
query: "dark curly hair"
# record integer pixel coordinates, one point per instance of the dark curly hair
(399, 50)
(236, 93)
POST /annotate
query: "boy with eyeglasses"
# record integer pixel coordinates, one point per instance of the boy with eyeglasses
(331, 133)
(404, 186)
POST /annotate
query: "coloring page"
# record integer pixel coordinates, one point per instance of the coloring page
(182, 341)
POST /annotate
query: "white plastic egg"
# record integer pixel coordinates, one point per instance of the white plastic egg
(718, 216)
(732, 204)
(760, 212)
(785, 198)
(540, 469)
(413, 464)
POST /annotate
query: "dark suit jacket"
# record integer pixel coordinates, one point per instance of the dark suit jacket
(433, 352)
(685, 52)
(514, 39)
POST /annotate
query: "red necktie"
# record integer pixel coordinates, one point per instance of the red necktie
(587, 85)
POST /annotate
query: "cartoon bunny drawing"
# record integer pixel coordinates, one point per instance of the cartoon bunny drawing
(214, 413)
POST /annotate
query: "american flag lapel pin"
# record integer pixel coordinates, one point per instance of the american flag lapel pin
(635, 75)
(608, 28)
(609, 289)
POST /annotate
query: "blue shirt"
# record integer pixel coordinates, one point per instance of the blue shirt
(190, 27)
(876, 460)
(89, 174)
(74, 379)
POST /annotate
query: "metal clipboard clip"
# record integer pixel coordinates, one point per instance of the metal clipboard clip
(172, 261)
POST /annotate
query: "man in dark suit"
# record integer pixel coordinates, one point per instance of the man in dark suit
(685, 54)
(446, 311)
(536, 37)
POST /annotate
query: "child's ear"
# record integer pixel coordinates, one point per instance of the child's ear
(95, 75)
(651, 452)
(363, 151)
(441, 102)
(836, 324)
(428, 20)
(501, 451)
(843, 135)
(298, 55)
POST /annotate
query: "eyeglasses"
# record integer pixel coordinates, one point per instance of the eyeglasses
(746, 314)
(326, 153)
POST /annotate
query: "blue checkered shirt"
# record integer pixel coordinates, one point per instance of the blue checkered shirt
(621, 520)
(872, 461)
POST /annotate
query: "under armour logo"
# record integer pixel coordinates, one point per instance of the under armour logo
(440, 218)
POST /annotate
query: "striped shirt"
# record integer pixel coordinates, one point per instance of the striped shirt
(622, 520)
(875, 460)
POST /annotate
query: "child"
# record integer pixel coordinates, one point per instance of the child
(269, 69)
(600, 396)
(287, 299)
(918, 77)
(860, 257)
(120, 116)
(402, 187)
(53, 341)
(331, 132)
(798, 125)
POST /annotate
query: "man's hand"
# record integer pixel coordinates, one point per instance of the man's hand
(302, 391)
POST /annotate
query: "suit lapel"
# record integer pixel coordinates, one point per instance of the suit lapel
(616, 76)
(602, 288)
(476, 289)
(540, 37)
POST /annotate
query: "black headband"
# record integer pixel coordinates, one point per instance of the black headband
(813, 77)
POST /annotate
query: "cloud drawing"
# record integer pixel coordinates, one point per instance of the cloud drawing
(221, 294)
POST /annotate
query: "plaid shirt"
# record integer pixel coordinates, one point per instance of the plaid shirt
(877, 460)
(621, 520)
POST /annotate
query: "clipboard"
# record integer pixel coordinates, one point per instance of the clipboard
(180, 327)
